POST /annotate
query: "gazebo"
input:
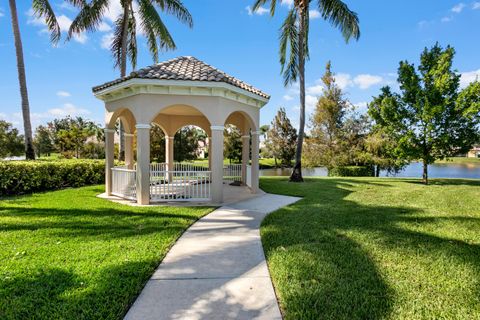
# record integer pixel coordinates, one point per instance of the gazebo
(173, 94)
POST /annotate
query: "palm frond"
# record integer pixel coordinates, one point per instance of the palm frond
(152, 23)
(116, 46)
(132, 39)
(260, 3)
(177, 9)
(289, 48)
(43, 9)
(340, 16)
(89, 17)
(77, 3)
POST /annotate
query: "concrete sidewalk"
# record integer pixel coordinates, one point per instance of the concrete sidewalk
(216, 270)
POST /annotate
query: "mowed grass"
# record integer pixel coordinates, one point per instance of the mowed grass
(366, 248)
(69, 255)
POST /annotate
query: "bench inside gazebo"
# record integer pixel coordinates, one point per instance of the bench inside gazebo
(173, 94)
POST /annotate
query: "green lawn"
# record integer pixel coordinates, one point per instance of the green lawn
(460, 160)
(365, 248)
(69, 255)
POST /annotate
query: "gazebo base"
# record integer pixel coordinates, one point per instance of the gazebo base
(231, 194)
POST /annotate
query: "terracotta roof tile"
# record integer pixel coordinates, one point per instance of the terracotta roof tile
(187, 69)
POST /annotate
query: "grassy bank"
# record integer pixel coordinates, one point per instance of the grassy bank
(69, 255)
(460, 160)
(365, 248)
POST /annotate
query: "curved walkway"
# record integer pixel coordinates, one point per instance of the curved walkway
(216, 270)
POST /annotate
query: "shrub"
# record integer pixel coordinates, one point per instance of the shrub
(19, 177)
(351, 171)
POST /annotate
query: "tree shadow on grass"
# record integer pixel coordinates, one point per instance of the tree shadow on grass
(62, 294)
(105, 222)
(320, 267)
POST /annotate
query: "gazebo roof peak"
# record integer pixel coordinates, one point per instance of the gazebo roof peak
(184, 68)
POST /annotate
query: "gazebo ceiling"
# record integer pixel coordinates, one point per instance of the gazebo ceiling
(182, 70)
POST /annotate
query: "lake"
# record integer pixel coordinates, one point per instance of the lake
(413, 170)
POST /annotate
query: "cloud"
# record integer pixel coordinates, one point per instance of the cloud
(365, 81)
(288, 97)
(2, 14)
(361, 107)
(68, 109)
(315, 89)
(63, 94)
(260, 11)
(476, 6)
(343, 80)
(104, 27)
(468, 77)
(114, 10)
(314, 14)
(107, 40)
(459, 7)
(446, 19)
(288, 3)
(310, 104)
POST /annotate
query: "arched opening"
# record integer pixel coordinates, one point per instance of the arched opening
(239, 148)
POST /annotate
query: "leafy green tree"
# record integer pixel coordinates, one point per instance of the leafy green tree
(43, 141)
(233, 144)
(294, 48)
(69, 135)
(429, 118)
(186, 144)
(11, 142)
(157, 144)
(281, 138)
(326, 145)
(380, 151)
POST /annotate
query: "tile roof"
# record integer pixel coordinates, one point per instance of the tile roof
(187, 69)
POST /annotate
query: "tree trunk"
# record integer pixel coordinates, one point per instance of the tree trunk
(297, 169)
(27, 126)
(425, 172)
(123, 73)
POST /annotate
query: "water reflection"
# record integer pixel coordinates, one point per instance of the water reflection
(439, 170)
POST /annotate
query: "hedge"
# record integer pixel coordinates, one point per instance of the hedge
(351, 171)
(19, 177)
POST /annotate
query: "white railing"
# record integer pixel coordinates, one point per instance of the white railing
(158, 167)
(180, 186)
(232, 172)
(188, 166)
(124, 182)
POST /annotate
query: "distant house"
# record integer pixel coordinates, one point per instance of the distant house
(474, 152)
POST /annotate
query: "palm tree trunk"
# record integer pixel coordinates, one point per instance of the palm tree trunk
(297, 170)
(123, 73)
(27, 126)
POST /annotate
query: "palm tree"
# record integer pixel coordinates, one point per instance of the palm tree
(41, 8)
(294, 49)
(125, 41)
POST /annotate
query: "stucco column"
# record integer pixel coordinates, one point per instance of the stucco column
(245, 157)
(217, 164)
(129, 150)
(109, 158)
(209, 141)
(143, 163)
(255, 170)
(169, 143)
